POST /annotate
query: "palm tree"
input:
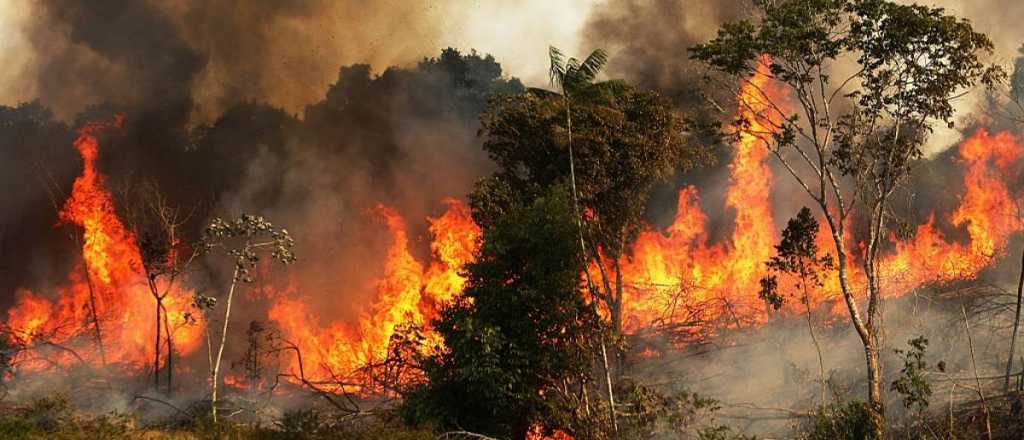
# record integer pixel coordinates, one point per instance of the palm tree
(574, 77)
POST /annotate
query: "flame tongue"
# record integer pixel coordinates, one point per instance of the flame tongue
(987, 211)
(113, 282)
(712, 280)
(109, 250)
(676, 278)
(406, 293)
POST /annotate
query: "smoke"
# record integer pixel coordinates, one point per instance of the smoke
(292, 110)
(220, 53)
(648, 41)
(767, 378)
(648, 45)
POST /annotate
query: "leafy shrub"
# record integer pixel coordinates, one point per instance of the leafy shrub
(840, 421)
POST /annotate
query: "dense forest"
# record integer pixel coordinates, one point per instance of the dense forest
(803, 221)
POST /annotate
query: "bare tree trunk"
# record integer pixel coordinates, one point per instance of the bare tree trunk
(974, 365)
(814, 337)
(608, 379)
(865, 330)
(872, 347)
(1016, 325)
(170, 350)
(876, 406)
(95, 316)
(156, 351)
(223, 341)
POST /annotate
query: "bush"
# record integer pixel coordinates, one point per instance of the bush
(53, 417)
(839, 421)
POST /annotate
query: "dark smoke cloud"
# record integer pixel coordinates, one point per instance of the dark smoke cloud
(648, 43)
(288, 52)
(118, 51)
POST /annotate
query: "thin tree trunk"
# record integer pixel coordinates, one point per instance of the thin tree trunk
(95, 316)
(814, 337)
(583, 249)
(170, 349)
(608, 379)
(223, 341)
(876, 406)
(866, 331)
(156, 351)
(875, 400)
(974, 366)
(1016, 325)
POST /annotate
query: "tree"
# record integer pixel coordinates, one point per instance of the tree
(243, 239)
(517, 343)
(866, 128)
(797, 255)
(622, 140)
(157, 227)
(1015, 113)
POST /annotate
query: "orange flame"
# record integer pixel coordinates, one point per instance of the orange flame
(113, 278)
(987, 211)
(678, 276)
(680, 262)
(406, 293)
(675, 278)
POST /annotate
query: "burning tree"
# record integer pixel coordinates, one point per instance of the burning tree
(623, 142)
(866, 127)
(165, 258)
(518, 342)
(243, 239)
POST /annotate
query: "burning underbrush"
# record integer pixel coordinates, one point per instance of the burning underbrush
(143, 309)
(681, 286)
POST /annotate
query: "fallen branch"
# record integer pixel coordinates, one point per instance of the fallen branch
(163, 402)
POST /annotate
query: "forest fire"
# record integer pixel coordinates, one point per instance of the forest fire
(670, 275)
(688, 219)
(722, 279)
(406, 294)
(106, 297)
(675, 276)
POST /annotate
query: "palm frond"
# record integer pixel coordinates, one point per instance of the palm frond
(588, 70)
(557, 69)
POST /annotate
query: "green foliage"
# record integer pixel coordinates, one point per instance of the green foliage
(624, 140)
(518, 334)
(573, 75)
(797, 255)
(1017, 80)
(647, 413)
(250, 234)
(720, 432)
(912, 383)
(840, 421)
(912, 61)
